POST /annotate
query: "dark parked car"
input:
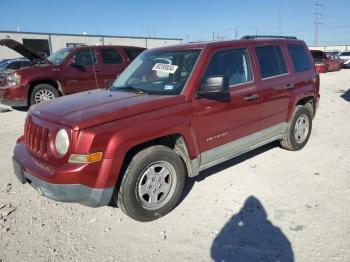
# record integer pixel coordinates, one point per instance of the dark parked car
(172, 113)
(68, 71)
(14, 64)
(325, 63)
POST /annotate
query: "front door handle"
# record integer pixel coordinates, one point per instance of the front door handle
(289, 86)
(251, 97)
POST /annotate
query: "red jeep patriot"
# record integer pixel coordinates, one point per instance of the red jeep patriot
(172, 113)
(69, 70)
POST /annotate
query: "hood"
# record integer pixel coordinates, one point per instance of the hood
(21, 49)
(87, 109)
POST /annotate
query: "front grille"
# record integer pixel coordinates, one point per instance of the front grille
(36, 138)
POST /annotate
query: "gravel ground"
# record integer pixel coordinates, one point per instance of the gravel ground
(267, 205)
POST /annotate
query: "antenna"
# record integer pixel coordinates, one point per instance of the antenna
(318, 6)
(93, 66)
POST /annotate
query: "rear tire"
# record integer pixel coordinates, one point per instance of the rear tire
(152, 184)
(299, 129)
(42, 93)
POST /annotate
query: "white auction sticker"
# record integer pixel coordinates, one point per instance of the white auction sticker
(165, 68)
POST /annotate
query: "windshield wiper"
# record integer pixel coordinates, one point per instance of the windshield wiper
(131, 88)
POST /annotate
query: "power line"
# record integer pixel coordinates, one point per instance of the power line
(318, 6)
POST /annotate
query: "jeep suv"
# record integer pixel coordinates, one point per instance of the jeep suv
(67, 71)
(172, 113)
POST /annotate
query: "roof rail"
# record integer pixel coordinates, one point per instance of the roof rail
(267, 36)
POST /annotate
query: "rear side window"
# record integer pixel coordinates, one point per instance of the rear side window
(133, 52)
(299, 57)
(234, 64)
(85, 57)
(111, 56)
(271, 61)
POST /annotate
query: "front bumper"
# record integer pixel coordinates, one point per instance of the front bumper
(73, 193)
(60, 184)
(14, 95)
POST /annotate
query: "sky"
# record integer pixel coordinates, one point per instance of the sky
(187, 19)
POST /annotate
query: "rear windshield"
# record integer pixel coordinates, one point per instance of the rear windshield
(299, 57)
(318, 57)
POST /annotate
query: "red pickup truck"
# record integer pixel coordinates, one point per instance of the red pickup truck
(172, 113)
(68, 71)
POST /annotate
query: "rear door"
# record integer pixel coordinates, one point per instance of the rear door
(112, 65)
(275, 83)
(217, 123)
(79, 73)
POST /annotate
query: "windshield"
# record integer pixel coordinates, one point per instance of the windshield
(58, 56)
(345, 54)
(157, 72)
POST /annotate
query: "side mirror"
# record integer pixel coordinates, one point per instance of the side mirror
(216, 88)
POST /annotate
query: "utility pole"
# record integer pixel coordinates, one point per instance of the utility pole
(213, 36)
(318, 6)
(236, 33)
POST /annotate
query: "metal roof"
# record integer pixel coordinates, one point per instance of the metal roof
(60, 34)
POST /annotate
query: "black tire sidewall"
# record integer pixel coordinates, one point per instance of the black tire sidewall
(140, 162)
(42, 87)
(299, 111)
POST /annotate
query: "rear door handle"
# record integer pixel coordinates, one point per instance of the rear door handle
(289, 86)
(251, 97)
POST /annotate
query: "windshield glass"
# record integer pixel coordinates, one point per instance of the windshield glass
(345, 54)
(3, 64)
(157, 72)
(58, 56)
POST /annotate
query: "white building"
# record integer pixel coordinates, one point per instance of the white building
(51, 42)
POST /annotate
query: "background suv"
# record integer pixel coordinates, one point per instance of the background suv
(69, 70)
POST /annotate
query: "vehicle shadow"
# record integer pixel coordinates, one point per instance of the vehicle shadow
(22, 109)
(345, 95)
(248, 236)
(227, 164)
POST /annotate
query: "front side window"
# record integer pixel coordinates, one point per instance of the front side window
(157, 72)
(57, 57)
(271, 61)
(110, 56)
(300, 58)
(85, 57)
(234, 64)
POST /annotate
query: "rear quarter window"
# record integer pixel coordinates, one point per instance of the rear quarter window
(299, 57)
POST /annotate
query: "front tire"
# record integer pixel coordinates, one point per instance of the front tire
(42, 93)
(152, 184)
(299, 129)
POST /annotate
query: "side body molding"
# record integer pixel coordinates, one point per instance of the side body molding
(238, 147)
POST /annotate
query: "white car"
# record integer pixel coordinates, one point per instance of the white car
(345, 57)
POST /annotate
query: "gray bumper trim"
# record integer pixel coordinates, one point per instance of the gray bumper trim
(73, 193)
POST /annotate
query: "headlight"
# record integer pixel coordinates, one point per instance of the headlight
(13, 79)
(62, 142)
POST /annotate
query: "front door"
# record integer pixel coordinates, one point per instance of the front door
(80, 74)
(217, 124)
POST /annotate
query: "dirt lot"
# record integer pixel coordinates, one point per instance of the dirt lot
(268, 205)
